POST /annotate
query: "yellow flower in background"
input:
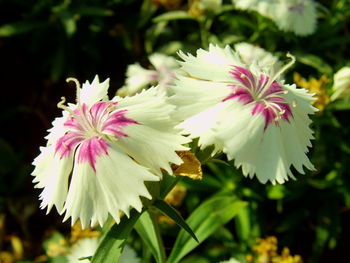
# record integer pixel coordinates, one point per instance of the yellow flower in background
(168, 4)
(266, 251)
(266, 248)
(78, 233)
(176, 196)
(286, 257)
(317, 86)
(199, 7)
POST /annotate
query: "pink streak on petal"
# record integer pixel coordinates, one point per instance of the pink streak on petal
(90, 149)
(258, 108)
(97, 111)
(242, 95)
(116, 122)
(66, 144)
(73, 124)
(238, 74)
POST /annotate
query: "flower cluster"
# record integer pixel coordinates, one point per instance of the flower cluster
(138, 78)
(101, 151)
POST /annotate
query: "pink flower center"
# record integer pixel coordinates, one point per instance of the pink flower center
(267, 97)
(89, 129)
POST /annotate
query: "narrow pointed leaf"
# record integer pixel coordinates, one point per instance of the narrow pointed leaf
(172, 15)
(204, 221)
(113, 242)
(147, 228)
(174, 215)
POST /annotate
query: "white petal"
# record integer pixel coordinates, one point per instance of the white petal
(259, 152)
(116, 186)
(204, 126)
(269, 153)
(152, 147)
(341, 85)
(214, 64)
(300, 22)
(83, 248)
(129, 256)
(249, 53)
(137, 78)
(192, 96)
(94, 92)
(52, 173)
(58, 129)
(162, 62)
(150, 108)
(154, 140)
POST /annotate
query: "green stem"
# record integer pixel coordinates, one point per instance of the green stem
(204, 26)
(152, 214)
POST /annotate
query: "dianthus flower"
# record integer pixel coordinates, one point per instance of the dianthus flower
(341, 84)
(138, 78)
(100, 153)
(247, 113)
(298, 16)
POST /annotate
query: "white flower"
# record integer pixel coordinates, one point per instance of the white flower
(128, 256)
(255, 119)
(298, 16)
(139, 78)
(250, 53)
(211, 5)
(83, 248)
(100, 153)
(231, 260)
(341, 85)
(87, 247)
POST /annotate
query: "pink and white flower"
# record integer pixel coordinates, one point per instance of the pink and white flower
(100, 153)
(246, 112)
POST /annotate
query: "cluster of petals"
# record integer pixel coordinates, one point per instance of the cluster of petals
(87, 247)
(341, 84)
(248, 53)
(298, 16)
(246, 112)
(139, 78)
(100, 153)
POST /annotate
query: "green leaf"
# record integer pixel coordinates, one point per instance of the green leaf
(148, 230)
(92, 11)
(174, 215)
(146, 12)
(276, 192)
(113, 242)
(173, 15)
(340, 105)
(315, 62)
(243, 224)
(168, 182)
(21, 27)
(204, 221)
